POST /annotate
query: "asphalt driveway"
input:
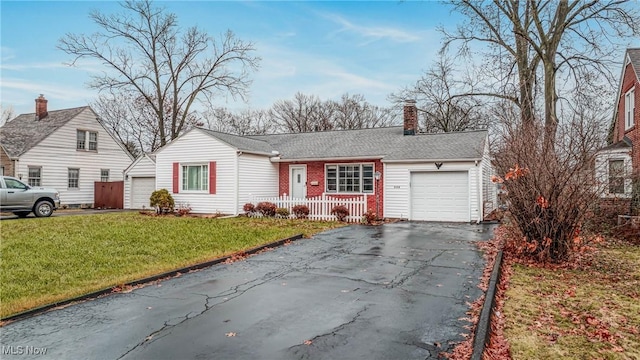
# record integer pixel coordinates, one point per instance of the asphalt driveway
(395, 291)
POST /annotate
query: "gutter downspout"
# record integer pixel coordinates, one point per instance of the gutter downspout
(237, 184)
(479, 189)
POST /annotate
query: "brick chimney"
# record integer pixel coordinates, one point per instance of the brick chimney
(41, 107)
(410, 117)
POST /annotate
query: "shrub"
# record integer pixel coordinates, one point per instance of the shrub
(369, 217)
(282, 212)
(249, 208)
(549, 187)
(301, 211)
(183, 209)
(162, 201)
(266, 208)
(340, 211)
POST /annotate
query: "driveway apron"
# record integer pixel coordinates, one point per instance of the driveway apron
(396, 291)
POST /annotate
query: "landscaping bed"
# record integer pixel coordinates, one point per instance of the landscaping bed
(590, 311)
(47, 260)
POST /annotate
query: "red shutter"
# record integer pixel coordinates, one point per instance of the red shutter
(212, 177)
(176, 178)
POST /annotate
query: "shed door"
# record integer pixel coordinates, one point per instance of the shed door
(141, 189)
(440, 196)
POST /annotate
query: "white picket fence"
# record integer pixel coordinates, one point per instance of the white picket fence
(320, 206)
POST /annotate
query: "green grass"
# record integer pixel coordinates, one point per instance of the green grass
(592, 313)
(47, 260)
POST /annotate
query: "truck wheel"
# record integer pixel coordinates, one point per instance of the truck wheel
(43, 208)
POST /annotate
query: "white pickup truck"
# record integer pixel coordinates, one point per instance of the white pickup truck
(21, 199)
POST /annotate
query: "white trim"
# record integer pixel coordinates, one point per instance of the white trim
(629, 108)
(352, 158)
(409, 161)
(432, 171)
(298, 166)
(361, 192)
(602, 172)
(181, 179)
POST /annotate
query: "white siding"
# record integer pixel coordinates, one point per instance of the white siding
(196, 147)
(489, 189)
(143, 167)
(397, 185)
(602, 172)
(258, 176)
(57, 153)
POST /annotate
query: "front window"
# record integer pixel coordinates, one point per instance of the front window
(35, 176)
(104, 175)
(349, 178)
(616, 176)
(195, 177)
(629, 109)
(74, 178)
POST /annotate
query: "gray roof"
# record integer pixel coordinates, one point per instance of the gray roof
(24, 132)
(241, 143)
(388, 143)
(634, 56)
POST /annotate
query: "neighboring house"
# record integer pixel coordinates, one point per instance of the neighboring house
(406, 174)
(139, 182)
(619, 163)
(65, 149)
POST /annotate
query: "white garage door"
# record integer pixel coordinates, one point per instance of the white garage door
(440, 196)
(141, 189)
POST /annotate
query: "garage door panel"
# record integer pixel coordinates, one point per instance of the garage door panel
(141, 189)
(440, 196)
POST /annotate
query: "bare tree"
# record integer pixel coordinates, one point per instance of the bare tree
(570, 37)
(131, 120)
(436, 93)
(302, 114)
(150, 57)
(246, 122)
(354, 112)
(6, 115)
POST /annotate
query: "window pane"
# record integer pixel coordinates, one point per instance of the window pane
(332, 179)
(616, 176)
(34, 176)
(80, 137)
(104, 175)
(367, 178)
(93, 141)
(205, 177)
(74, 176)
(185, 176)
(195, 177)
(349, 178)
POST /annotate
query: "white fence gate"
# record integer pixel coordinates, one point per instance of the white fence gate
(320, 206)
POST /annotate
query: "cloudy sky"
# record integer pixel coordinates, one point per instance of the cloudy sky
(322, 48)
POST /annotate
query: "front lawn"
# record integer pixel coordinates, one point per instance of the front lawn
(47, 260)
(592, 313)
